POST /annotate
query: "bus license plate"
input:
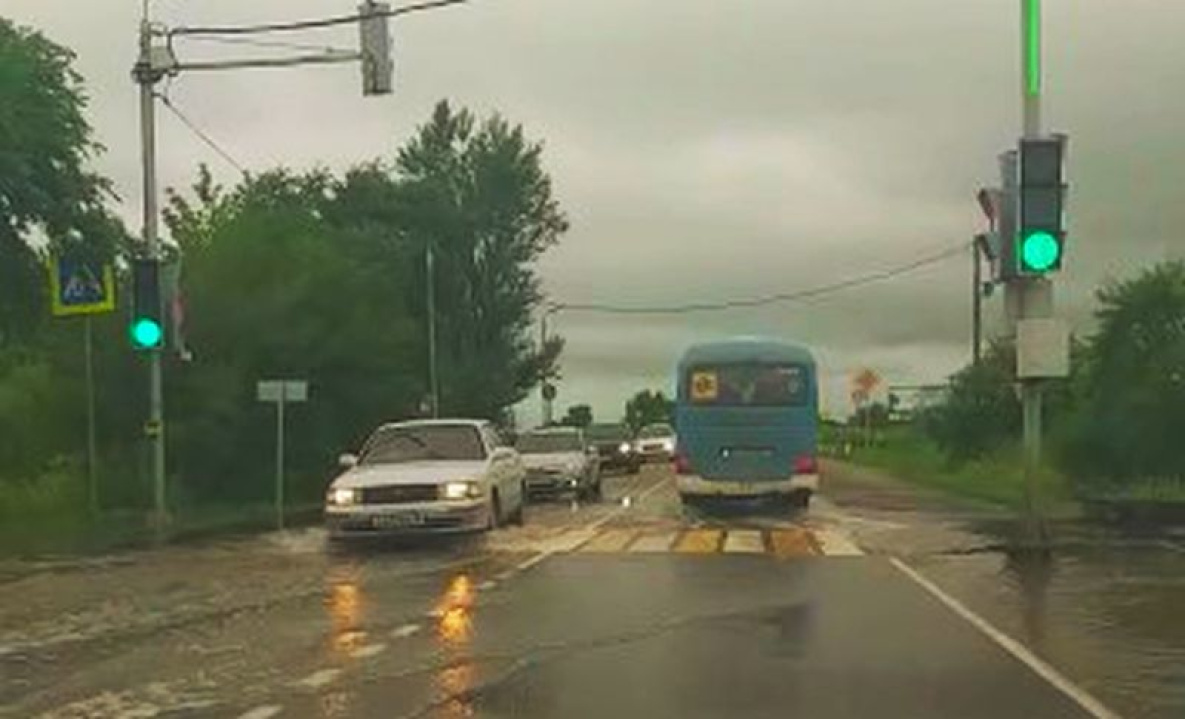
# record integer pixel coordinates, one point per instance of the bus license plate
(397, 521)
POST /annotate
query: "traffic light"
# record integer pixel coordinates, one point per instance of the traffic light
(1041, 232)
(147, 328)
(375, 41)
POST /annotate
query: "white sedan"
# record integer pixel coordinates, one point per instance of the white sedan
(431, 477)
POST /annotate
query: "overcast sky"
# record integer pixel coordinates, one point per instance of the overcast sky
(711, 149)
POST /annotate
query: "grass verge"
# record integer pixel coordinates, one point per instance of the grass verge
(997, 478)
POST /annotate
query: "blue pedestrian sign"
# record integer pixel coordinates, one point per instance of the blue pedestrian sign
(81, 287)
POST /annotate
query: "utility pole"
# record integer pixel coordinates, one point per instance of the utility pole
(976, 303)
(147, 73)
(547, 391)
(430, 289)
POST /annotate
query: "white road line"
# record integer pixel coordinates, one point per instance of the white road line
(405, 631)
(319, 678)
(654, 542)
(745, 541)
(267, 711)
(368, 650)
(1172, 546)
(487, 585)
(835, 543)
(1043, 669)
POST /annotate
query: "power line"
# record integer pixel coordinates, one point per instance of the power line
(209, 141)
(310, 24)
(867, 279)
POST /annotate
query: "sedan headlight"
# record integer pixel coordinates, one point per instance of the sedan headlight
(624, 448)
(343, 497)
(668, 445)
(460, 490)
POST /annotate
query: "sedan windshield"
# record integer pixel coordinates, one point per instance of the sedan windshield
(410, 444)
(549, 443)
(607, 432)
(656, 430)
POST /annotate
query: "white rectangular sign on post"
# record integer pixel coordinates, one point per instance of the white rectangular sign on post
(1042, 348)
(281, 392)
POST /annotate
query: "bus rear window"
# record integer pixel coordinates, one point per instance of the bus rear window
(747, 385)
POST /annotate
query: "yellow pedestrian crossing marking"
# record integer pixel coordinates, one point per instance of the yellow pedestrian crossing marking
(699, 541)
(786, 542)
(792, 543)
(653, 542)
(744, 541)
(610, 540)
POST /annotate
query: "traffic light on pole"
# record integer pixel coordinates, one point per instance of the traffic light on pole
(1041, 227)
(147, 329)
(375, 41)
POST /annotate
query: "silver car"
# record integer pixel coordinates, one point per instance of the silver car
(560, 461)
(656, 443)
(432, 477)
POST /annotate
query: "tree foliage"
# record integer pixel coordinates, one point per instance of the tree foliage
(578, 415)
(478, 194)
(1131, 390)
(46, 187)
(648, 407)
(981, 412)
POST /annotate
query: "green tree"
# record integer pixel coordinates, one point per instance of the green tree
(277, 290)
(648, 407)
(45, 186)
(981, 412)
(578, 415)
(1131, 391)
(478, 194)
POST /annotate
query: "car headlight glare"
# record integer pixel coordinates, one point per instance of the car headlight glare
(668, 445)
(461, 490)
(342, 496)
(624, 448)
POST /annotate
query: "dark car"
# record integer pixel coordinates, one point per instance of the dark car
(615, 446)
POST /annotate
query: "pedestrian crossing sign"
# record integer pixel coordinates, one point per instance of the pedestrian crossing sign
(81, 287)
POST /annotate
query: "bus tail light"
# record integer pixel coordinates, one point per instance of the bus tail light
(806, 464)
(682, 464)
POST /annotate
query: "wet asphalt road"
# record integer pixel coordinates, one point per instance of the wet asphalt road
(624, 608)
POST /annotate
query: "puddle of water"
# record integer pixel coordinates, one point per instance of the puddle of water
(1108, 617)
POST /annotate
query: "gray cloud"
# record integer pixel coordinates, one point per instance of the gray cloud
(709, 150)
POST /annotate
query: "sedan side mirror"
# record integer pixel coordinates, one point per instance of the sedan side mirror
(347, 460)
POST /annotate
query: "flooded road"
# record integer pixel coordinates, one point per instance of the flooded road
(630, 607)
(1106, 609)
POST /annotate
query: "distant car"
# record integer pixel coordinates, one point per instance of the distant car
(615, 446)
(558, 461)
(430, 477)
(656, 443)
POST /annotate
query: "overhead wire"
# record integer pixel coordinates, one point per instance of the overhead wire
(797, 296)
(297, 25)
(201, 134)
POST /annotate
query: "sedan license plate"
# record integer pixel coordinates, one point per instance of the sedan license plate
(397, 521)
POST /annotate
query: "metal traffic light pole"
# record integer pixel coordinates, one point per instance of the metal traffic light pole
(1031, 297)
(157, 61)
(147, 75)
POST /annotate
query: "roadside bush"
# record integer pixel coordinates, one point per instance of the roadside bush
(1131, 395)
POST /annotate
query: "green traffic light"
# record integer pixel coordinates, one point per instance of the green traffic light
(146, 333)
(1039, 251)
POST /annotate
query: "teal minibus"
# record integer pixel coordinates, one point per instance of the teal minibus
(746, 419)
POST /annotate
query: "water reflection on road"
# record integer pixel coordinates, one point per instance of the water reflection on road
(1105, 610)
